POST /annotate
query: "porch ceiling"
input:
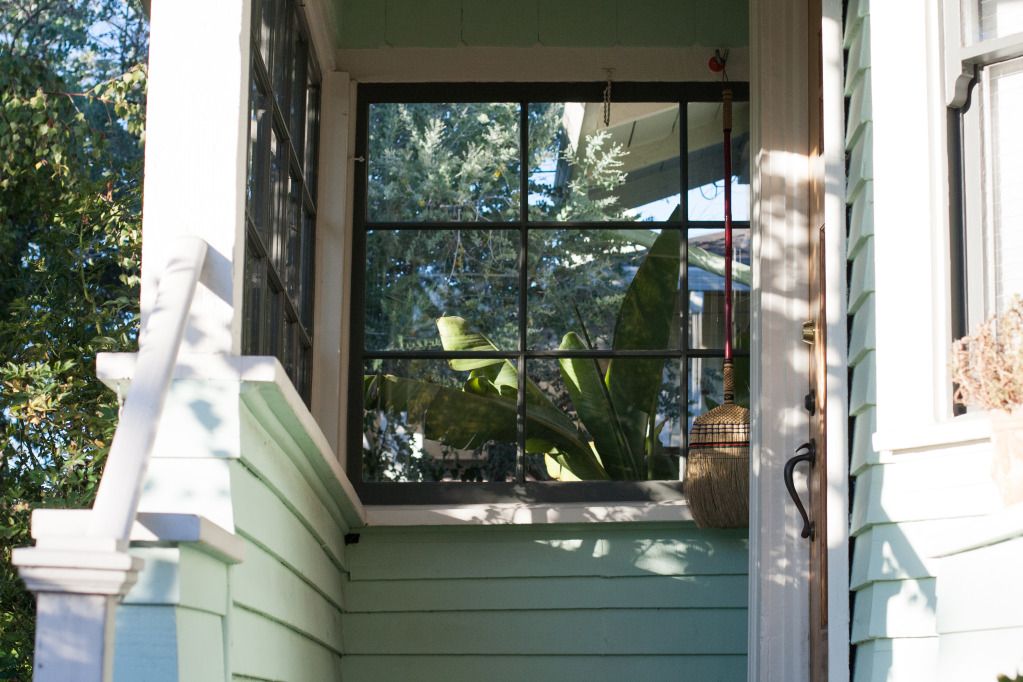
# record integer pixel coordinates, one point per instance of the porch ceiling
(365, 24)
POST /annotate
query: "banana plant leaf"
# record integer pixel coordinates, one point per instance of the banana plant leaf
(592, 401)
(546, 425)
(465, 420)
(644, 322)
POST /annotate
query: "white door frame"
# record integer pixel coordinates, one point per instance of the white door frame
(778, 647)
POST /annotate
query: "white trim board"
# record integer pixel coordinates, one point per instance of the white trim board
(779, 567)
(516, 513)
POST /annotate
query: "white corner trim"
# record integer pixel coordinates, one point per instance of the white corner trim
(58, 527)
(837, 353)
(514, 513)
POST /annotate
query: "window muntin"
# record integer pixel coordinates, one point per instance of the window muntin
(281, 191)
(558, 264)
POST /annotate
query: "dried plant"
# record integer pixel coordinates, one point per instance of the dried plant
(987, 366)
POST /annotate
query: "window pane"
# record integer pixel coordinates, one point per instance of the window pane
(308, 268)
(264, 19)
(580, 169)
(293, 238)
(297, 98)
(1005, 166)
(989, 19)
(427, 421)
(448, 162)
(260, 144)
(278, 199)
(590, 419)
(707, 288)
(275, 324)
(254, 306)
(312, 136)
(304, 382)
(284, 31)
(611, 288)
(706, 385)
(706, 191)
(414, 277)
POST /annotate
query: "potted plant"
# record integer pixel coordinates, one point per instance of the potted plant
(987, 368)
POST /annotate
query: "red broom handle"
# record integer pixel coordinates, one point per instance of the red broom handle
(727, 125)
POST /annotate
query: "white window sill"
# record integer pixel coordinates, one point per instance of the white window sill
(519, 513)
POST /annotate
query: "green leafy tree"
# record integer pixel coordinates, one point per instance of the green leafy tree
(72, 91)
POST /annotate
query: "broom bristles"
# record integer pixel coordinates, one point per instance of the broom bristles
(717, 468)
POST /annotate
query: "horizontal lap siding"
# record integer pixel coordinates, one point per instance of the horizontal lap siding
(287, 601)
(565, 668)
(594, 602)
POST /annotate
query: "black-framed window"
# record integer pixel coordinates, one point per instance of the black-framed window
(983, 46)
(280, 207)
(538, 297)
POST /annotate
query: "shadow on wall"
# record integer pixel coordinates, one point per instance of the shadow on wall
(605, 601)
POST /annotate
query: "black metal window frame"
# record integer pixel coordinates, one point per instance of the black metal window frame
(280, 211)
(392, 493)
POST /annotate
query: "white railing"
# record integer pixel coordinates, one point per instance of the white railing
(118, 498)
(78, 581)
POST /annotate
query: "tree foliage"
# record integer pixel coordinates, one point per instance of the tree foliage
(72, 91)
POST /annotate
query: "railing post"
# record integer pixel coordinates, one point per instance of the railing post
(77, 585)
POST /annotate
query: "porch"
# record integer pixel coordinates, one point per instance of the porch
(261, 559)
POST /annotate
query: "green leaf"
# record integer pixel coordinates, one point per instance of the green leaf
(467, 420)
(645, 322)
(546, 425)
(457, 335)
(586, 388)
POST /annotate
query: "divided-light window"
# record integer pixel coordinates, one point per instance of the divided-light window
(984, 67)
(538, 306)
(280, 207)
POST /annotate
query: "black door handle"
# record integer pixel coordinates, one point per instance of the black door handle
(809, 454)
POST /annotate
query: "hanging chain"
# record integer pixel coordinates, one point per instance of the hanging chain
(607, 98)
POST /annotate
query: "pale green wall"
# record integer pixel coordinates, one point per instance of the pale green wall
(595, 601)
(554, 23)
(582, 602)
(286, 596)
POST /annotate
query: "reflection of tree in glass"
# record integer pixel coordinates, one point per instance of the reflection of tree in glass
(460, 162)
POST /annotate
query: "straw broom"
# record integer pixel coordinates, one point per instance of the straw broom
(717, 469)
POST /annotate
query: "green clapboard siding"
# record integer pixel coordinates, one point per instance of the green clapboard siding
(263, 649)
(565, 668)
(586, 602)
(265, 585)
(515, 552)
(552, 23)
(263, 517)
(546, 593)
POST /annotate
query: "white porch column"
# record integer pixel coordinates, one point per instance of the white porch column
(77, 582)
(196, 139)
(778, 602)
